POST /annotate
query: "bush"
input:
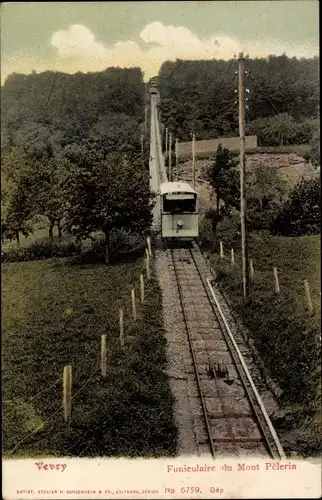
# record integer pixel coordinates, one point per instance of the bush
(260, 220)
(42, 249)
(300, 214)
(121, 241)
(228, 230)
(282, 129)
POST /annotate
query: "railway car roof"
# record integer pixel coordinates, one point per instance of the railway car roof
(176, 187)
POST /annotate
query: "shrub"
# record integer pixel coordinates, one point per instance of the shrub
(122, 242)
(260, 220)
(42, 249)
(300, 214)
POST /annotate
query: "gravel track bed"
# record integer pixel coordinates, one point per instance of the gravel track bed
(178, 355)
(188, 417)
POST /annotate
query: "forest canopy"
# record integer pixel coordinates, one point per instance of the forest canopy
(200, 96)
(51, 116)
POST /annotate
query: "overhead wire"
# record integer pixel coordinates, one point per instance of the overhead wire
(41, 426)
(33, 397)
(225, 76)
(263, 91)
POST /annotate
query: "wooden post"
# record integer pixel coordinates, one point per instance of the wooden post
(177, 159)
(133, 303)
(142, 144)
(147, 265)
(149, 246)
(251, 267)
(277, 285)
(170, 157)
(166, 140)
(193, 160)
(103, 355)
(121, 328)
(142, 287)
(232, 256)
(67, 387)
(308, 297)
(221, 250)
(146, 120)
(147, 253)
(243, 208)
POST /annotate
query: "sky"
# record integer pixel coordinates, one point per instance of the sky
(91, 36)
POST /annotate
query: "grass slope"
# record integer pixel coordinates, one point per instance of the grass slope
(54, 313)
(284, 334)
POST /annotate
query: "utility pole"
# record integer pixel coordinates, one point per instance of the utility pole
(146, 119)
(166, 140)
(177, 158)
(142, 145)
(170, 151)
(243, 208)
(193, 160)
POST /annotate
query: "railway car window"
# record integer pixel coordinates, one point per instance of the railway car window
(178, 206)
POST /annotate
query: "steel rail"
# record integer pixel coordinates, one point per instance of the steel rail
(235, 351)
(250, 380)
(193, 355)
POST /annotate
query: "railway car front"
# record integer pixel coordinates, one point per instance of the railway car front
(179, 215)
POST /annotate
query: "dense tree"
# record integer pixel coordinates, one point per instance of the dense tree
(199, 95)
(300, 214)
(266, 191)
(47, 120)
(103, 194)
(46, 180)
(61, 108)
(224, 179)
(16, 195)
(283, 129)
(265, 187)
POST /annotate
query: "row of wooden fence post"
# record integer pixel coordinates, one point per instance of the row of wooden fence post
(275, 277)
(67, 372)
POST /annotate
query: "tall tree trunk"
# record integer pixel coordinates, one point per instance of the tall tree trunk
(261, 203)
(107, 247)
(59, 229)
(281, 139)
(51, 229)
(17, 238)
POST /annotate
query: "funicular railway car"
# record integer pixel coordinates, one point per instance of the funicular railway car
(179, 215)
(153, 85)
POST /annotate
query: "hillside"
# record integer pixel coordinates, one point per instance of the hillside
(52, 109)
(53, 314)
(199, 95)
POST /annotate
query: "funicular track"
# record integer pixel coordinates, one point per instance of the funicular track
(235, 420)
